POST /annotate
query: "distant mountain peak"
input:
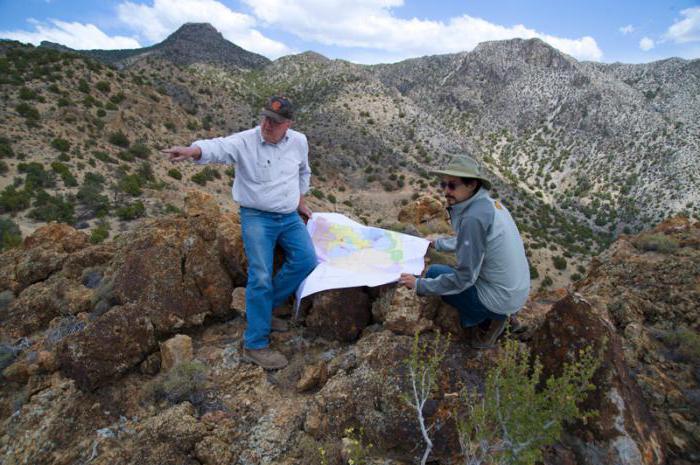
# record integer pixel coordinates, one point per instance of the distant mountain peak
(190, 43)
(199, 32)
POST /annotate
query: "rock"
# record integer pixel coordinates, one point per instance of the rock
(425, 209)
(174, 351)
(175, 274)
(313, 376)
(177, 426)
(200, 203)
(41, 302)
(238, 300)
(57, 236)
(623, 431)
(151, 365)
(339, 314)
(213, 451)
(403, 312)
(109, 346)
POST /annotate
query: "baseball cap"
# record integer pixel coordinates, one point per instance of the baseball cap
(278, 108)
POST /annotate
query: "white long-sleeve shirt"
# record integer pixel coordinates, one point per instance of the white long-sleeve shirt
(269, 177)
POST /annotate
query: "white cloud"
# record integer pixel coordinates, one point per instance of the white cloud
(687, 29)
(155, 22)
(627, 29)
(646, 44)
(74, 35)
(370, 24)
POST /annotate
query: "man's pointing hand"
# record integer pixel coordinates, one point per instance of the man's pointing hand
(183, 153)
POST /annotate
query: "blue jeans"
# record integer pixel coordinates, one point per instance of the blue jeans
(471, 310)
(261, 232)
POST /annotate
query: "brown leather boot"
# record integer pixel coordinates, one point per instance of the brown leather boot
(267, 358)
(279, 325)
(488, 339)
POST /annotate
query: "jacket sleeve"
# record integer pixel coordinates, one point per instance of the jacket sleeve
(304, 168)
(446, 244)
(219, 150)
(471, 248)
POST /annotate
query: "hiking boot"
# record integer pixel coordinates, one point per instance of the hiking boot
(279, 325)
(266, 358)
(488, 339)
(516, 327)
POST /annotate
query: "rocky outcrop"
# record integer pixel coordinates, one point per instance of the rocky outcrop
(623, 431)
(650, 297)
(425, 210)
(340, 314)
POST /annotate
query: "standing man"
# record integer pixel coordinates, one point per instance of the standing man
(272, 176)
(492, 277)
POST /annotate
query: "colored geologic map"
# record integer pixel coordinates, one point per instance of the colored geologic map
(351, 254)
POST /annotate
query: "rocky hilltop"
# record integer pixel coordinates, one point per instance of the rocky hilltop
(191, 43)
(129, 352)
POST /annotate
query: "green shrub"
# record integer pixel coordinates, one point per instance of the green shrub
(60, 144)
(6, 148)
(4, 168)
(534, 273)
(518, 412)
(36, 176)
(10, 234)
(99, 234)
(83, 86)
(90, 195)
(207, 174)
(547, 281)
(175, 174)
(28, 112)
(331, 198)
(63, 171)
(119, 139)
(686, 342)
(116, 99)
(131, 211)
(104, 157)
(103, 86)
(656, 243)
(140, 150)
(181, 383)
(13, 200)
(50, 208)
(64, 102)
(125, 156)
(131, 184)
(101, 113)
(559, 262)
(317, 193)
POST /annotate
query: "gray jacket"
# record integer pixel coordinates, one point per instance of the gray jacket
(490, 256)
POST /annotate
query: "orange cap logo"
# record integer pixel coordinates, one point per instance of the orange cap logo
(276, 105)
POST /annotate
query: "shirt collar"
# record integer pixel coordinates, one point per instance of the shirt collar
(262, 141)
(459, 208)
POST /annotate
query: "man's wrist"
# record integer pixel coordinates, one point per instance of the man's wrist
(196, 153)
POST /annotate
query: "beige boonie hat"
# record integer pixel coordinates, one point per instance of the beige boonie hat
(464, 166)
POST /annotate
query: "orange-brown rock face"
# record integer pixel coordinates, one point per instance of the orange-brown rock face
(425, 210)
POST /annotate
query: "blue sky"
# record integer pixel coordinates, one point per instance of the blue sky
(371, 31)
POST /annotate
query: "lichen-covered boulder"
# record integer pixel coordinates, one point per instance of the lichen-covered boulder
(108, 346)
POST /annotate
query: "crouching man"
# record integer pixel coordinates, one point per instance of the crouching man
(492, 278)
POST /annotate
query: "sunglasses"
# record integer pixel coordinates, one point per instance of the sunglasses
(450, 185)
